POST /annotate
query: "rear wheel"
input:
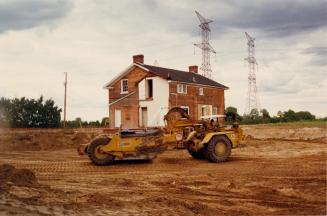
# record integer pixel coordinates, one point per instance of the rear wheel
(96, 155)
(218, 149)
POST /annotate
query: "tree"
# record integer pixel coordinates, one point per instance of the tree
(232, 115)
(265, 117)
(290, 115)
(29, 113)
(265, 114)
(305, 115)
(254, 114)
(5, 114)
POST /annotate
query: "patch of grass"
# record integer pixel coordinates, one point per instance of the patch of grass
(318, 123)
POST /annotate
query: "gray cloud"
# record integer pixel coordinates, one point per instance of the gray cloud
(18, 15)
(277, 18)
(316, 51)
(318, 55)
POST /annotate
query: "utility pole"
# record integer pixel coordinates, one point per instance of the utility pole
(205, 45)
(252, 100)
(65, 99)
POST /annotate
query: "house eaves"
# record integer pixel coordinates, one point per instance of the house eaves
(122, 74)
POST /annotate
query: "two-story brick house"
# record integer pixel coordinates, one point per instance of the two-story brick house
(142, 94)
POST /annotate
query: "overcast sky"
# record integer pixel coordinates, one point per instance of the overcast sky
(93, 40)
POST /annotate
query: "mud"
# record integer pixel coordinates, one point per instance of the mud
(282, 175)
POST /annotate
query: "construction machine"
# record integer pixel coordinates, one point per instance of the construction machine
(203, 139)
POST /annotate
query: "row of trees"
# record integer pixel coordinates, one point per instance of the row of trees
(37, 113)
(29, 113)
(78, 122)
(263, 116)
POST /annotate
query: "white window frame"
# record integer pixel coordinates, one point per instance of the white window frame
(181, 89)
(214, 110)
(122, 91)
(201, 91)
(187, 108)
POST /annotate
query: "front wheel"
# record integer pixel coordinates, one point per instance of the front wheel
(96, 155)
(218, 149)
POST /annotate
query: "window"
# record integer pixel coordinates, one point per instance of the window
(201, 92)
(205, 111)
(182, 89)
(186, 108)
(149, 88)
(124, 86)
(214, 111)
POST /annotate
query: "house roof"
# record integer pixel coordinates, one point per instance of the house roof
(182, 76)
(170, 74)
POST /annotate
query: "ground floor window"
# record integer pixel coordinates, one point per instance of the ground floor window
(214, 111)
(186, 108)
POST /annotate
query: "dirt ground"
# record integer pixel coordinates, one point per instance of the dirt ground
(280, 171)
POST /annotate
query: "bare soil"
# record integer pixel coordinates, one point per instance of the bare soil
(277, 172)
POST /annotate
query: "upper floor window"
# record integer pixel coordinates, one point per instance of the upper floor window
(201, 92)
(149, 88)
(124, 86)
(181, 89)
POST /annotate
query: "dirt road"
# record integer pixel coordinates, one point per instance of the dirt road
(268, 176)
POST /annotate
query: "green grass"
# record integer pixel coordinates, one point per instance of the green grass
(318, 123)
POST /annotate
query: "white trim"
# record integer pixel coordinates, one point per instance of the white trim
(121, 98)
(122, 74)
(140, 66)
(212, 116)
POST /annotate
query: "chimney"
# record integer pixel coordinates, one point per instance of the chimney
(193, 69)
(138, 59)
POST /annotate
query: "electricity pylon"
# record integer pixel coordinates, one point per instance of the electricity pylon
(205, 45)
(252, 100)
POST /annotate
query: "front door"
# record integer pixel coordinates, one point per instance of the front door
(117, 118)
(144, 117)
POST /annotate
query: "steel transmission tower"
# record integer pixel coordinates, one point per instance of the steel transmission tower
(205, 45)
(252, 100)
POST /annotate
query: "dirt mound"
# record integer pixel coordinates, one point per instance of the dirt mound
(37, 140)
(9, 175)
(315, 134)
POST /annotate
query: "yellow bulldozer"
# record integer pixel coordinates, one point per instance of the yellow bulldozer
(203, 139)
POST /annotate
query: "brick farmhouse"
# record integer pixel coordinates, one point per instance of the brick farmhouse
(142, 94)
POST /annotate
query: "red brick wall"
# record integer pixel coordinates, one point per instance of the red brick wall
(212, 96)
